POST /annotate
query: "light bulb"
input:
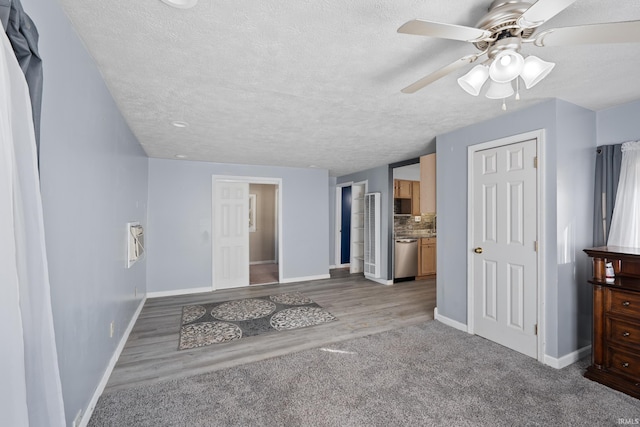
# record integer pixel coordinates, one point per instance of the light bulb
(499, 90)
(506, 66)
(534, 70)
(472, 81)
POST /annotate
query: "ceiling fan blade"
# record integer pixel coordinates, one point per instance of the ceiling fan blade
(542, 11)
(610, 32)
(436, 75)
(445, 31)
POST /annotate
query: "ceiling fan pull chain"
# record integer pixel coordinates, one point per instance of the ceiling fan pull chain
(517, 89)
(504, 104)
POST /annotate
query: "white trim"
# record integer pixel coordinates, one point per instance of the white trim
(175, 292)
(250, 180)
(86, 416)
(449, 322)
(542, 243)
(539, 136)
(332, 267)
(253, 285)
(567, 359)
(305, 278)
(270, 261)
(382, 281)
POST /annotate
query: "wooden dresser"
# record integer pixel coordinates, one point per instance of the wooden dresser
(615, 352)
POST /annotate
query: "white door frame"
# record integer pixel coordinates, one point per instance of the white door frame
(338, 222)
(539, 136)
(250, 180)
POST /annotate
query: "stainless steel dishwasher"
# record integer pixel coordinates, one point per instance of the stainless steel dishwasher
(405, 258)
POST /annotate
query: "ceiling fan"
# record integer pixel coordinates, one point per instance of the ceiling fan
(501, 33)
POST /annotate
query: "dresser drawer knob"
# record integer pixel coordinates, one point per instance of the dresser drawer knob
(625, 364)
(625, 334)
(626, 303)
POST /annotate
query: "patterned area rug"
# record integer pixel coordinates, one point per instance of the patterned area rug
(222, 322)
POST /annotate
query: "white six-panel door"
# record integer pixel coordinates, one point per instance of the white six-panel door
(231, 234)
(504, 262)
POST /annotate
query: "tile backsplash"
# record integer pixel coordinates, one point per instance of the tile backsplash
(405, 223)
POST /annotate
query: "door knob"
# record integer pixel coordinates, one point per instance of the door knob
(478, 250)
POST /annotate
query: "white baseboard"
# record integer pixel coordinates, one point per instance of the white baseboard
(112, 363)
(271, 261)
(378, 280)
(567, 359)
(331, 267)
(179, 292)
(449, 322)
(306, 278)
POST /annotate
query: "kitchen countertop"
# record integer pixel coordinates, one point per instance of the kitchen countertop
(414, 234)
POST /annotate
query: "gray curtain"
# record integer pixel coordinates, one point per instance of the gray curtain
(608, 161)
(23, 35)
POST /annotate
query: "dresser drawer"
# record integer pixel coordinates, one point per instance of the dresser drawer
(622, 302)
(623, 362)
(623, 332)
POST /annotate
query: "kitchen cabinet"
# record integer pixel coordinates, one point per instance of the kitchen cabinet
(427, 256)
(615, 348)
(428, 183)
(402, 189)
(415, 199)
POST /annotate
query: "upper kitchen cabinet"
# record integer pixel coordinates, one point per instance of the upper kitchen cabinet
(402, 189)
(428, 183)
(415, 200)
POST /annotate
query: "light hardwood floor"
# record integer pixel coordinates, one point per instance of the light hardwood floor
(362, 307)
(263, 273)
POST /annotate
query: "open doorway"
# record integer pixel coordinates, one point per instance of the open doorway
(349, 252)
(237, 215)
(263, 234)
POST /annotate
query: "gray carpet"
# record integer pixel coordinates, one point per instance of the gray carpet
(428, 374)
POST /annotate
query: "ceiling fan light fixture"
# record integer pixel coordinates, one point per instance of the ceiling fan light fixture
(534, 70)
(181, 4)
(506, 66)
(472, 81)
(499, 90)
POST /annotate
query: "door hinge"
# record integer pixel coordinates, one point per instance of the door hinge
(535, 329)
(535, 245)
(535, 162)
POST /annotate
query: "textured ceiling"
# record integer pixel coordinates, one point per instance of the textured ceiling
(316, 83)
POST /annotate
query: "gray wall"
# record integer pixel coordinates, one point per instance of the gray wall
(569, 131)
(576, 162)
(411, 172)
(179, 231)
(378, 181)
(619, 124)
(94, 180)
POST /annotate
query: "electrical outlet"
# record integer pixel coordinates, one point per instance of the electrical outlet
(77, 420)
(417, 218)
(111, 329)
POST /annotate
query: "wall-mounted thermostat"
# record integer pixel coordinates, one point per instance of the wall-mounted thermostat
(135, 242)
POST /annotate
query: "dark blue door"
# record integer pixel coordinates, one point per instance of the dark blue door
(345, 236)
